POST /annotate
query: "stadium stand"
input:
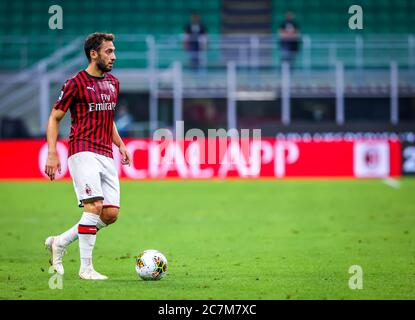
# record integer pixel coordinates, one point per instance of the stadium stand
(26, 37)
(326, 16)
(149, 43)
(29, 23)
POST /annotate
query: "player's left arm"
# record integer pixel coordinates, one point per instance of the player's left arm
(116, 139)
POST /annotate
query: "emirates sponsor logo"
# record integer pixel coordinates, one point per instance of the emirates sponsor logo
(104, 106)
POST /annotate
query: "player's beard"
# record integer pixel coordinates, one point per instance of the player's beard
(102, 66)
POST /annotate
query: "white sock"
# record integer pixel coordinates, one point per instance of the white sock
(87, 230)
(70, 235)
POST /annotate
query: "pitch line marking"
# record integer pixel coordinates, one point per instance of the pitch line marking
(393, 183)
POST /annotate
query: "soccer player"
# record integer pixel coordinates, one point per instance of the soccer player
(91, 96)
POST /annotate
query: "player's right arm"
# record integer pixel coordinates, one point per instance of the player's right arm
(53, 163)
(68, 93)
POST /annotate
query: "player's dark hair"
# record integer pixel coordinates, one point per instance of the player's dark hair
(94, 41)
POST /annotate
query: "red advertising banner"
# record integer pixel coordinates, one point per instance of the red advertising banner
(222, 158)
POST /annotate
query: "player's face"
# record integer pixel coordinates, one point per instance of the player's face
(106, 56)
(195, 18)
(289, 16)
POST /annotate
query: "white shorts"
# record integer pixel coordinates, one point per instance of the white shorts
(95, 177)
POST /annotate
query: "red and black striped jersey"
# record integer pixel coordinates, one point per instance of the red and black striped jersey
(92, 103)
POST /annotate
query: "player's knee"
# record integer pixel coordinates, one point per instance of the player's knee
(109, 215)
(95, 206)
(111, 218)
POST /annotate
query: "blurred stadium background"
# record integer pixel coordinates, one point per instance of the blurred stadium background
(345, 107)
(342, 81)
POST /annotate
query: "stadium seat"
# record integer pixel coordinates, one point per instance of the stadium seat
(30, 18)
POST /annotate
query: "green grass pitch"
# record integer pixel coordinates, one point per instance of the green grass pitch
(263, 239)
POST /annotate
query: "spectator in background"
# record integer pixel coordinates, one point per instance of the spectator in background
(123, 120)
(289, 34)
(195, 40)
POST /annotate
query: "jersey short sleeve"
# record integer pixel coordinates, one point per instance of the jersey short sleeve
(68, 93)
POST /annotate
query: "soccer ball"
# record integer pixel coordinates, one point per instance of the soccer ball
(151, 265)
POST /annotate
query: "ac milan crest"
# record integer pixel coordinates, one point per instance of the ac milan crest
(88, 190)
(372, 158)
